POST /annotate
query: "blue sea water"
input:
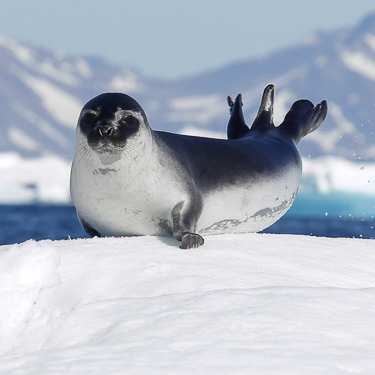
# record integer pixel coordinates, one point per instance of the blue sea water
(20, 223)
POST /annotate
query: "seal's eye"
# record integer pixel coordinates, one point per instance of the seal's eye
(89, 117)
(130, 120)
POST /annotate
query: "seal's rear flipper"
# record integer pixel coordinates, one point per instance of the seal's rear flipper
(264, 119)
(237, 127)
(303, 118)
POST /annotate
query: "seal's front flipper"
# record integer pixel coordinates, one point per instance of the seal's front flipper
(264, 119)
(237, 127)
(184, 220)
(191, 240)
(303, 118)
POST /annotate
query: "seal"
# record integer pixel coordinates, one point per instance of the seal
(129, 180)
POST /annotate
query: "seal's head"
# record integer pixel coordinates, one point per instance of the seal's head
(109, 120)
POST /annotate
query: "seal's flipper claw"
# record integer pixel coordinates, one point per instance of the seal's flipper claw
(303, 118)
(237, 127)
(266, 106)
(320, 114)
(230, 103)
(191, 240)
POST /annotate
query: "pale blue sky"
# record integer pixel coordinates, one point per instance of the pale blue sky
(173, 38)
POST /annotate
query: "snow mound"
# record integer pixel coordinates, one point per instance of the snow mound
(27, 273)
(252, 303)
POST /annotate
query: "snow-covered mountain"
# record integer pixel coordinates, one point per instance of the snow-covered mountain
(42, 93)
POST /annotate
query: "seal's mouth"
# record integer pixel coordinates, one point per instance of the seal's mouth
(106, 147)
(107, 138)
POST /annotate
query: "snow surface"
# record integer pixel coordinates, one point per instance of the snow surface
(242, 304)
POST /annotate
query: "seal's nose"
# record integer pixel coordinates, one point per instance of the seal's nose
(106, 130)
